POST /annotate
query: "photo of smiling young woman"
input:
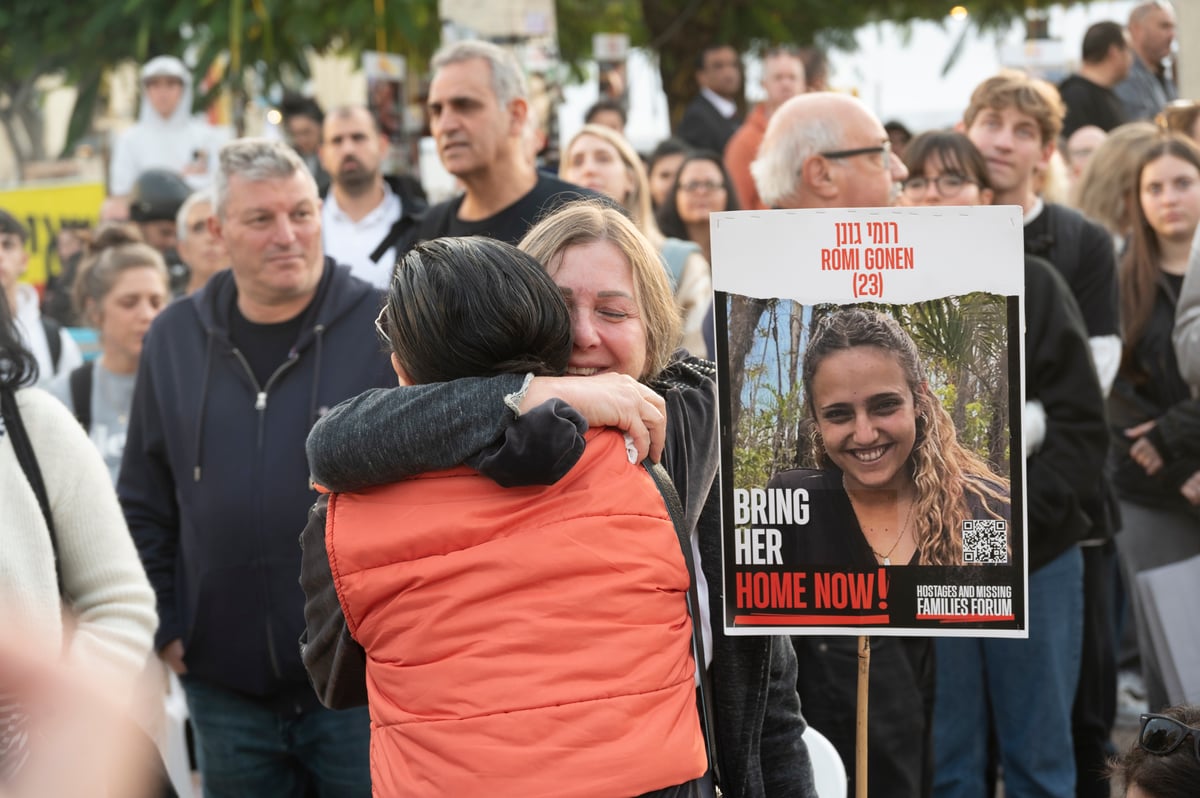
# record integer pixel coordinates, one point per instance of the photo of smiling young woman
(891, 483)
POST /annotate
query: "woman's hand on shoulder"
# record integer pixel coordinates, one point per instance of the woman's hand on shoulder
(609, 400)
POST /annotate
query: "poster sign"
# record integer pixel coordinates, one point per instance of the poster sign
(45, 211)
(870, 373)
(386, 101)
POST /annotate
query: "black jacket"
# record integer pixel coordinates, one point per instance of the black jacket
(1149, 387)
(703, 127)
(1065, 477)
(214, 482)
(1082, 253)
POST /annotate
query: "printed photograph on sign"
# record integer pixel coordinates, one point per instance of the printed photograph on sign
(386, 99)
(869, 482)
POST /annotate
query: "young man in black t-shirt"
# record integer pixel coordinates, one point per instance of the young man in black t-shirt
(1089, 94)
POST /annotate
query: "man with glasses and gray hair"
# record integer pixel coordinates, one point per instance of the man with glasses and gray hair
(826, 150)
(214, 482)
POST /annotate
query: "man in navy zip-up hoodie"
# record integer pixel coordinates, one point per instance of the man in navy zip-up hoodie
(214, 481)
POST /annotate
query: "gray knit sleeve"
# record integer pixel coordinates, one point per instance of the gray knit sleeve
(386, 434)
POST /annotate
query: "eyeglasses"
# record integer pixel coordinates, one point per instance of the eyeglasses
(381, 325)
(1161, 734)
(884, 150)
(947, 184)
(701, 185)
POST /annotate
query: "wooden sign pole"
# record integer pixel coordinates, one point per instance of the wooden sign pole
(860, 729)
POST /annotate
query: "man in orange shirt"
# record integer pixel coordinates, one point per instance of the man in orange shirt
(783, 78)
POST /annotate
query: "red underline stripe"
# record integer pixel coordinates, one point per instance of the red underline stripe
(965, 618)
(811, 620)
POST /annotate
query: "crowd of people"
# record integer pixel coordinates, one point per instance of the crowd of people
(491, 422)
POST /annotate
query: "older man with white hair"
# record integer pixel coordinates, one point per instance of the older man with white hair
(826, 151)
(200, 250)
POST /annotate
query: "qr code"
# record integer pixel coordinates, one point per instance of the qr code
(985, 541)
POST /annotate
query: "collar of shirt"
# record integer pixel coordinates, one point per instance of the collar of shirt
(1035, 211)
(724, 107)
(388, 208)
(350, 243)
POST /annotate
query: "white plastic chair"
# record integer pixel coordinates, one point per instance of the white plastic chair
(829, 774)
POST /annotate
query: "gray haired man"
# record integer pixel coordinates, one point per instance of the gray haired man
(197, 245)
(214, 481)
(478, 107)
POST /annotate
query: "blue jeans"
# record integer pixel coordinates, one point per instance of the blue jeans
(244, 748)
(1028, 686)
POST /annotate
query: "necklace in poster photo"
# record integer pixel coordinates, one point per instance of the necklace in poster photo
(884, 558)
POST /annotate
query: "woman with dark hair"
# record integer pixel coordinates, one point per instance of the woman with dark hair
(49, 343)
(1154, 457)
(1164, 761)
(67, 551)
(120, 288)
(945, 168)
(702, 187)
(621, 372)
(662, 166)
(495, 668)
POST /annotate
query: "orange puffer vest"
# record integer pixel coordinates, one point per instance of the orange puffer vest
(525, 641)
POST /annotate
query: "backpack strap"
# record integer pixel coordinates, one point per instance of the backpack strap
(53, 332)
(393, 237)
(704, 689)
(28, 460)
(81, 393)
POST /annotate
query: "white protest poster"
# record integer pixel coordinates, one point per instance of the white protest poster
(871, 385)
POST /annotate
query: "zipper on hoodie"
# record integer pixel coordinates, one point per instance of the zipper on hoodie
(261, 393)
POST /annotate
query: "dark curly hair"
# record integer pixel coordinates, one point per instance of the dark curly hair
(17, 364)
(669, 221)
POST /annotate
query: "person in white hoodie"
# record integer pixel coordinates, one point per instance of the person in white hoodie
(167, 135)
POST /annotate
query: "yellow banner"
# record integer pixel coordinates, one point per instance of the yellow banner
(44, 210)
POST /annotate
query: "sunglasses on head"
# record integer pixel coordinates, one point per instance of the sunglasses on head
(1160, 735)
